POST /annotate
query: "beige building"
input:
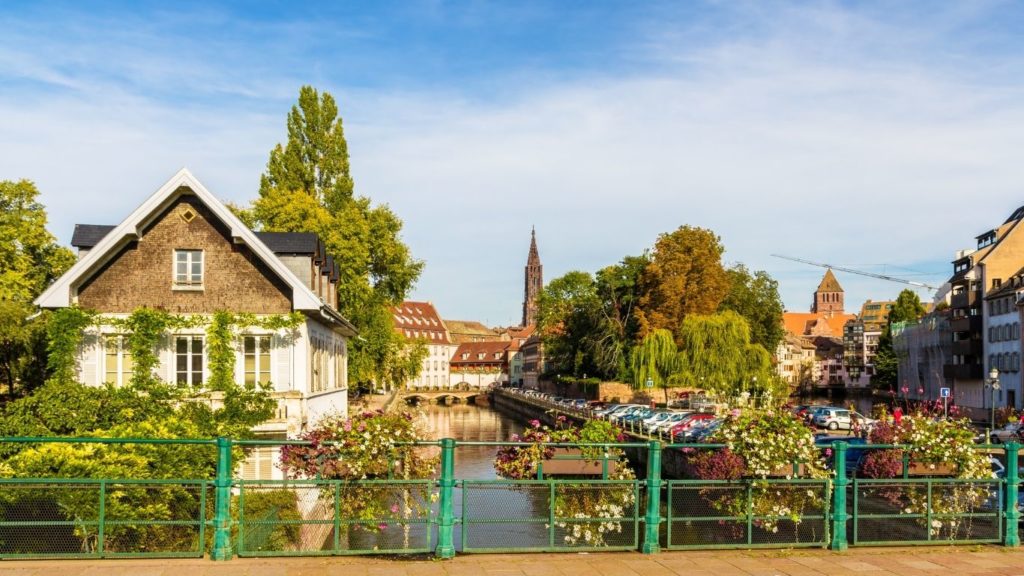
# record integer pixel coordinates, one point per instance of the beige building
(420, 321)
(184, 252)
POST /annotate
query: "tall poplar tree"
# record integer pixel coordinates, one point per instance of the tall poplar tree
(308, 187)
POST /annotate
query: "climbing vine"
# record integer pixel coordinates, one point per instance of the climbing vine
(145, 328)
(64, 336)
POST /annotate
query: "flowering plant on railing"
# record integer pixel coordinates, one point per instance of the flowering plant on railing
(758, 446)
(366, 446)
(936, 447)
(586, 513)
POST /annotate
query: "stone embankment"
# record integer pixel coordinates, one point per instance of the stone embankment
(527, 408)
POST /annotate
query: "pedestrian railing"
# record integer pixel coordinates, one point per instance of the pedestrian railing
(224, 515)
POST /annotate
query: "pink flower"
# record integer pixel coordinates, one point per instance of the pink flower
(382, 526)
(535, 423)
(394, 508)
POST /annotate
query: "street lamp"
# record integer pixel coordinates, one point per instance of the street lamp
(993, 383)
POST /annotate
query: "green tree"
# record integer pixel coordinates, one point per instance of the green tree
(656, 359)
(684, 276)
(568, 310)
(307, 187)
(30, 259)
(716, 354)
(756, 298)
(907, 308)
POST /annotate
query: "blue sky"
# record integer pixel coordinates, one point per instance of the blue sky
(881, 136)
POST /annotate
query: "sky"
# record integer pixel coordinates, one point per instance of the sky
(880, 136)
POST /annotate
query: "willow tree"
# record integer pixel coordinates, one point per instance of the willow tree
(715, 353)
(656, 359)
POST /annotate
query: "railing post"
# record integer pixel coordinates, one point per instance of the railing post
(446, 515)
(652, 521)
(839, 517)
(1011, 536)
(222, 519)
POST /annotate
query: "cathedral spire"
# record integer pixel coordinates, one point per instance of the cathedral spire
(534, 281)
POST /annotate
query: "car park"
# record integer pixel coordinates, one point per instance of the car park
(1011, 432)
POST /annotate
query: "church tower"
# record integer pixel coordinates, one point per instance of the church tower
(534, 282)
(828, 298)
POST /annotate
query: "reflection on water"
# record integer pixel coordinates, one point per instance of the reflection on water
(464, 422)
(482, 501)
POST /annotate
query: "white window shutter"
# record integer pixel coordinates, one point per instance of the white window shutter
(281, 362)
(89, 360)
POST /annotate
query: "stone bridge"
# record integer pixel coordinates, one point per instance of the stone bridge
(446, 397)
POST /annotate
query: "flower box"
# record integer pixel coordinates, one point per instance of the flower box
(922, 469)
(570, 462)
(787, 470)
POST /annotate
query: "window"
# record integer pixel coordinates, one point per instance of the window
(188, 360)
(256, 359)
(117, 367)
(188, 268)
(319, 380)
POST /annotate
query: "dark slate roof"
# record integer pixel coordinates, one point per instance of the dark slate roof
(89, 235)
(291, 242)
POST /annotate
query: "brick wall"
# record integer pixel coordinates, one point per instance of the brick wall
(141, 275)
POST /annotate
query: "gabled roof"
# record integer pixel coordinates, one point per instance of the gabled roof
(420, 320)
(474, 349)
(829, 283)
(59, 294)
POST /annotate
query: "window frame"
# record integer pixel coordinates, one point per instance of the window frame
(190, 354)
(257, 354)
(122, 356)
(188, 284)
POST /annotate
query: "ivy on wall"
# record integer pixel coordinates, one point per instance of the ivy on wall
(64, 336)
(145, 330)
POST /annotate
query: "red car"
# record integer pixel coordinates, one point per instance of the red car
(689, 421)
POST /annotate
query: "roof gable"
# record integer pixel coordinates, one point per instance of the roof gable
(59, 294)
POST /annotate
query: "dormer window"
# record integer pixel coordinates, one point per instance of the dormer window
(188, 269)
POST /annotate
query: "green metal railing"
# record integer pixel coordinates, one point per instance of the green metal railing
(225, 516)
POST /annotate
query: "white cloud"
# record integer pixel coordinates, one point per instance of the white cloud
(826, 134)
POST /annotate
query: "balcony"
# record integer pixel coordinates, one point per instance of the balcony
(964, 299)
(966, 324)
(962, 371)
(967, 347)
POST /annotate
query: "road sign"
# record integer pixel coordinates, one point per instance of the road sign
(650, 383)
(944, 392)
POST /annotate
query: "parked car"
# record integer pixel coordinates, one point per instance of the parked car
(841, 419)
(693, 419)
(1008, 433)
(704, 432)
(667, 424)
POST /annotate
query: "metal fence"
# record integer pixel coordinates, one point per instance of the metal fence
(224, 515)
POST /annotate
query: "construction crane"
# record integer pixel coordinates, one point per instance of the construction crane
(861, 272)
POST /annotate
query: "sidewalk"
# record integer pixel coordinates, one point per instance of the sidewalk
(962, 561)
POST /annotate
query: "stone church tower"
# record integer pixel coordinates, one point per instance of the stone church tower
(534, 282)
(828, 298)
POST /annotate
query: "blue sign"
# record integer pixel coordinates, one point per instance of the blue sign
(944, 392)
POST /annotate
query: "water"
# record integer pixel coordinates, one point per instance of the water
(465, 422)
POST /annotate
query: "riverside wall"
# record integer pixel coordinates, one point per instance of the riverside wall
(672, 460)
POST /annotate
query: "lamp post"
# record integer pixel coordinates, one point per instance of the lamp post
(993, 384)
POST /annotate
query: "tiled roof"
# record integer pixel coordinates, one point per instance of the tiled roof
(829, 283)
(89, 235)
(305, 243)
(469, 331)
(815, 323)
(493, 352)
(420, 320)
